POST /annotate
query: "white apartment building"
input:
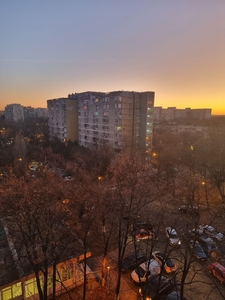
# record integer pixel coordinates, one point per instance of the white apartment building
(119, 118)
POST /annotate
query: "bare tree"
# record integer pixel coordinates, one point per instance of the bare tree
(33, 214)
(133, 190)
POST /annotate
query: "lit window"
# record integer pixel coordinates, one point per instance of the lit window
(58, 278)
(31, 287)
(7, 293)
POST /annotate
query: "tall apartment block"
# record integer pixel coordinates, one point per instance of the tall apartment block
(63, 119)
(117, 118)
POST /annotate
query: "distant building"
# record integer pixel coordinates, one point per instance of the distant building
(174, 128)
(171, 113)
(17, 112)
(41, 112)
(29, 113)
(14, 112)
(119, 118)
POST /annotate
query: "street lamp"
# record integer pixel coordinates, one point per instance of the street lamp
(108, 273)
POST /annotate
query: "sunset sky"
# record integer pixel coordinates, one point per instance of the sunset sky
(51, 48)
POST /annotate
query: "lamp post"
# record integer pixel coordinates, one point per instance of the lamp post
(108, 276)
(206, 193)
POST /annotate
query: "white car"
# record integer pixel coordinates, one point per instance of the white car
(145, 271)
(211, 232)
(32, 168)
(172, 236)
(163, 260)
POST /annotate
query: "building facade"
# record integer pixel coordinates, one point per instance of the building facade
(41, 112)
(171, 113)
(17, 280)
(14, 112)
(19, 113)
(63, 119)
(29, 113)
(119, 118)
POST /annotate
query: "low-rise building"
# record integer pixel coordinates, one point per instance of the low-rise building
(172, 113)
(17, 280)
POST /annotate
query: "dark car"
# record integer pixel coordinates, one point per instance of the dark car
(191, 209)
(156, 287)
(210, 248)
(143, 230)
(198, 250)
(132, 261)
(175, 295)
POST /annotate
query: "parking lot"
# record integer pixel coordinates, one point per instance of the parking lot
(199, 284)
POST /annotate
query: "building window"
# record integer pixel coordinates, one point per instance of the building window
(7, 293)
(57, 277)
(106, 114)
(31, 287)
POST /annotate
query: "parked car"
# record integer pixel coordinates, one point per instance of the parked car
(175, 295)
(145, 271)
(132, 261)
(211, 232)
(164, 261)
(68, 178)
(143, 234)
(156, 288)
(191, 209)
(198, 250)
(210, 248)
(204, 238)
(218, 271)
(32, 168)
(143, 230)
(172, 236)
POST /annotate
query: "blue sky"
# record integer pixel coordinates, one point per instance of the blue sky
(174, 47)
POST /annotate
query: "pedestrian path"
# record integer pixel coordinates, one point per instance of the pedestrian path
(95, 263)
